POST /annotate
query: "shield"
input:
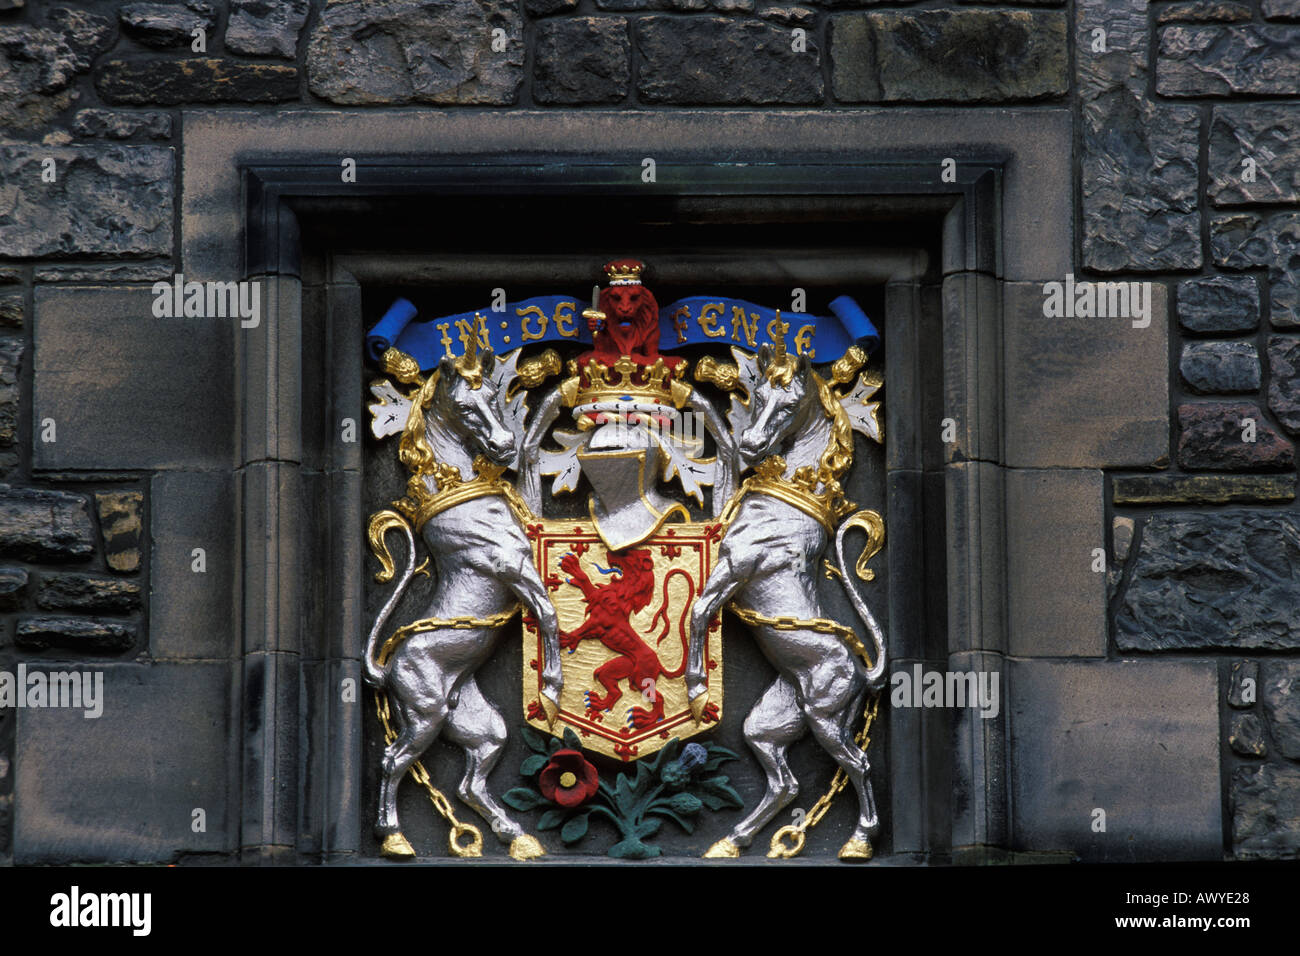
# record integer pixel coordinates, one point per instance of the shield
(624, 619)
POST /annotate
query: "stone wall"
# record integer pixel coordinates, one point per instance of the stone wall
(1186, 176)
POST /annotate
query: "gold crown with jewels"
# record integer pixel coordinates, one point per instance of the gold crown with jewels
(658, 384)
(624, 272)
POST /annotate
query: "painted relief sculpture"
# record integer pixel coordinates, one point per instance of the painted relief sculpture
(687, 513)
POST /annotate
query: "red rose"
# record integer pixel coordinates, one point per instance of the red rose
(568, 779)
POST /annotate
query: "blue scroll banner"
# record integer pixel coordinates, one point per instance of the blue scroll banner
(697, 320)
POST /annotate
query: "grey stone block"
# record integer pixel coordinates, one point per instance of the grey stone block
(975, 510)
(164, 82)
(105, 200)
(1055, 520)
(12, 309)
(190, 612)
(1121, 533)
(1055, 367)
(13, 588)
(11, 358)
(1246, 735)
(1266, 812)
(708, 60)
(1284, 380)
(1220, 579)
(405, 51)
(544, 8)
(1036, 186)
(1269, 135)
(1219, 304)
(1280, 9)
(582, 60)
(943, 55)
(166, 24)
(155, 393)
(1139, 159)
(41, 525)
(1203, 12)
(1226, 60)
(971, 383)
(119, 522)
(1200, 489)
(87, 592)
(1281, 698)
(258, 28)
(1220, 367)
(1137, 739)
(1218, 436)
(123, 787)
(80, 635)
(1241, 672)
(1246, 240)
(40, 64)
(121, 124)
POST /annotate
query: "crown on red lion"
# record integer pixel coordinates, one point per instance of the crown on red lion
(624, 271)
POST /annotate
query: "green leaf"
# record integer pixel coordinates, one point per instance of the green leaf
(551, 818)
(686, 824)
(647, 828)
(624, 796)
(571, 739)
(667, 754)
(686, 803)
(523, 798)
(717, 757)
(535, 741)
(532, 764)
(712, 802)
(575, 829)
(721, 788)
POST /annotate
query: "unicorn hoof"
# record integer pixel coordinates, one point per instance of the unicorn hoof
(724, 849)
(697, 709)
(526, 847)
(396, 847)
(856, 850)
(550, 709)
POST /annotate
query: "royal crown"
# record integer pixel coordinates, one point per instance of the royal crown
(624, 382)
(624, 272)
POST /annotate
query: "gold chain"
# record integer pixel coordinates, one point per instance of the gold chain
(797, 833)
(819, 624)
(439, 800)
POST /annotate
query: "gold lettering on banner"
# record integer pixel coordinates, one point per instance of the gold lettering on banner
(749, 325)
(445, 338)
(564, 319)
(776, 329)
(680, 318)
(709, 319)
(803, 340)
(543, 321)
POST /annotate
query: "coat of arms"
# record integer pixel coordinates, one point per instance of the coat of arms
(568, 469)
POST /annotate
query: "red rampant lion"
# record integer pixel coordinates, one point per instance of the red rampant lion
(609, 620)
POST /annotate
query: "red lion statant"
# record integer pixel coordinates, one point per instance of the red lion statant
(609, 620)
